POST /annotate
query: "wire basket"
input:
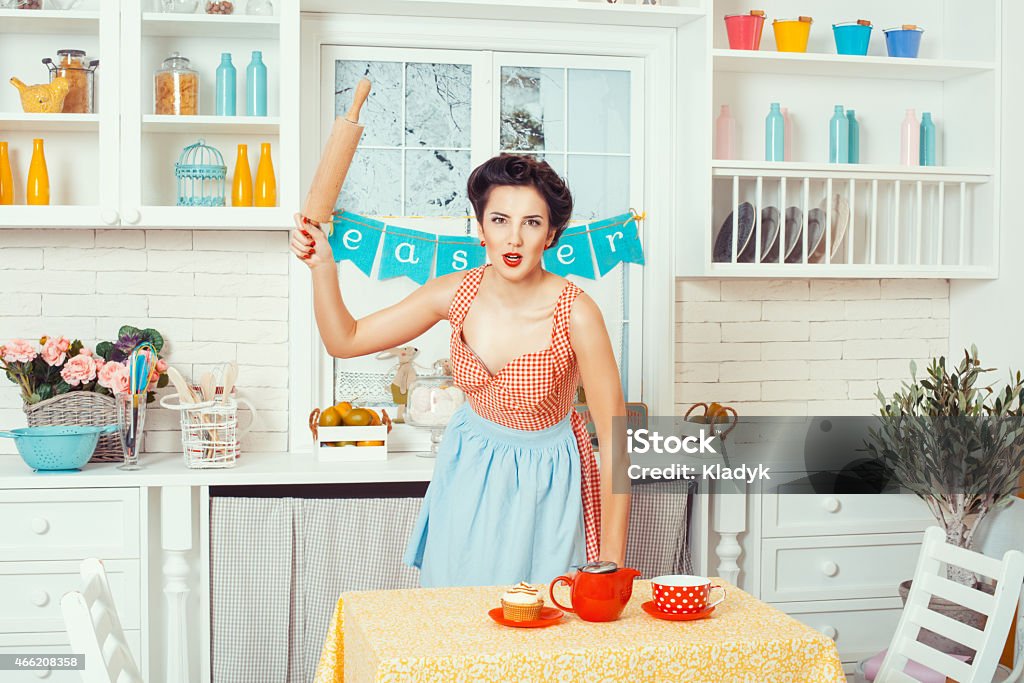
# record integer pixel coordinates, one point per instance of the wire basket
(209, 431)
(201, 176)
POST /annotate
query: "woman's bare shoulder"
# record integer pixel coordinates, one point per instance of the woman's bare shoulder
(440, 291)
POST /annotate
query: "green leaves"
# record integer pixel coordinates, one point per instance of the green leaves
(154, 338)
(104, 349)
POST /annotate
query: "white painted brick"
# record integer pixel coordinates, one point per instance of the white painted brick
(917, 328)
(940, 347)
(172, 240)
(21, 258)
(801, 350)
(696, 352)
(161, 442)
(886, 348)
(241, 330)
(771, 408)
(899, 368)
(883, 308)
(263, 308)
(189, 352)
(196, 262)
(172, 329)
(815, 389)
(800, 310)
(765, 331)
(43, 237)
(127, 239)
(915, 289)
(866, 389)
(698, 290)
(240, 241)
(21, 304)
(699, 332)
(839, 408)
(207, 284)
(843, 369)
(127, 305)
(697, 372)
(714, 311)
(940, 308)
(148, 283)
(844, 330)
(117, 260)
(12, 417)
(34, 327)
(162, 420)
(829, 290)
(272, 420)
(723, 392)
(751, 371)
(10, 396)
(203, 307)
(264, 442)
(275, 355)
(47, 281)
(266, 398)
(765, 290)
(267, 263)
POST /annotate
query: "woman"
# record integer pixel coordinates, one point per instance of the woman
(516, 493)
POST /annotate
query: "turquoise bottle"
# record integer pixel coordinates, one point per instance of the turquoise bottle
(927, 139)
(256, 86)
(226, 86)
(775, 134)
(853, 150)
(838, 137)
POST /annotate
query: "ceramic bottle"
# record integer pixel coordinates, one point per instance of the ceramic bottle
(226, 86)
(787, 135)
(265, 193)
(256, 86)
(910, 140)
(774, 134)
(6, 179)
(838, 137)
(853, 150)
(38, 191)
(241, 186)
(927, 142)
(725, 134)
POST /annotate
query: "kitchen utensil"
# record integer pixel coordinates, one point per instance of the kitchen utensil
(549, 616)
(769, 237)
(652, 609)
(230, 377)
(791, 34)
(744, 229)
(684, 594)
(207, 384)
(54, 448)
(903, 41)
(852, 37)
(840, 221)
(815, 233)
(181, 384)
(335, 160)
(131, 420)
(597, 594)
(744, 30)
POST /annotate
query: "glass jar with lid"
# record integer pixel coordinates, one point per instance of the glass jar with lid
(176, 87)
(80, 72)
(179, 6)
(431, 403)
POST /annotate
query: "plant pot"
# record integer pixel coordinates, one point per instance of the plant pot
(954, 611)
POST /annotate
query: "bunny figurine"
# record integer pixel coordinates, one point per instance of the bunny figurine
(404, 374)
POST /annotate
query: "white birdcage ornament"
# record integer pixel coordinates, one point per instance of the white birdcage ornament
(201, 175)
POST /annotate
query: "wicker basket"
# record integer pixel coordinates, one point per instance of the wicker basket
(84, 409)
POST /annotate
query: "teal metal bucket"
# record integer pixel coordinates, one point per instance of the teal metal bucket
(851, 38)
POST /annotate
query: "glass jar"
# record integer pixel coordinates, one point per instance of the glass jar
(28, 4)
(260, 8)
(220, 7)
(430, 404)
(176, 87)
(80, 73)
(179, 6)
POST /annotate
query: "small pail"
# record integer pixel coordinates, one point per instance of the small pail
(852, 37)
(744, 30)
(791, 34)
(903, 41)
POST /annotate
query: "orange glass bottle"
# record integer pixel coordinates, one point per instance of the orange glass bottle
(38, 192)
(6, 179)
(266, 184)
(241, 188)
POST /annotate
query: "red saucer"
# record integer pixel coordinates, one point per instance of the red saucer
(549, 616)
(657, 614)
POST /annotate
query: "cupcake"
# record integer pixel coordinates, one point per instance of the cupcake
(522, 603)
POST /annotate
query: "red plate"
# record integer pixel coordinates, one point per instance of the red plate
(657, 614)
(549, 616)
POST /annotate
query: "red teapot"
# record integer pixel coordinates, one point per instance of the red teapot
(598, 591)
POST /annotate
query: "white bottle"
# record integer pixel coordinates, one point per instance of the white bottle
(910, 140)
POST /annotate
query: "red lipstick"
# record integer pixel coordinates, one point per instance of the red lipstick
(512, 259)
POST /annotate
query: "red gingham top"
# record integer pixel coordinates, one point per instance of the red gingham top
(534, 391)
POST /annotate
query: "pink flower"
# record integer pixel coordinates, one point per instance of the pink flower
(114, 376)
(161, 366)
(79, 370)
(55, 350)
(19, 351)
(85, 351)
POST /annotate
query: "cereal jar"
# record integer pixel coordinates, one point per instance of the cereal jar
(79, 73)
(176, 87)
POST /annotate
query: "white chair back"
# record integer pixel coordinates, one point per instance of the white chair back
(95, 629)
(929, 580)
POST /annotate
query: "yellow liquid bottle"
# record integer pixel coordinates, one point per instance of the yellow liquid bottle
(266, 184)
(38, 192)
(241, 189)
(6, 179)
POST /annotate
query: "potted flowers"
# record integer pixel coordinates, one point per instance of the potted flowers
(63, 382)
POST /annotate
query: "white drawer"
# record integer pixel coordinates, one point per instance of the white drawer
(30, 593)
(69, 524)
(844, 567)
(860, 628)
(811, 514)
(55, 643)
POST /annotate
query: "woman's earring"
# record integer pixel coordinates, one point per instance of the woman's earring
(482, 243)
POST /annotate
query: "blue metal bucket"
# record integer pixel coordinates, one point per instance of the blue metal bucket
(903, 42)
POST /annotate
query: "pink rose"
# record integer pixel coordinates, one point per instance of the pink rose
(161, 366)
(79, 370)
(85, 351)
(114, 376)
(55, 350)
(19, 351)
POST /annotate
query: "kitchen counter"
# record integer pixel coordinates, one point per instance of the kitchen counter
(168, 469)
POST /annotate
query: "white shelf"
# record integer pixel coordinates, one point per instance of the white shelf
(222, 218)
(22, 216)
(209, 25)
(846, 270)
(570, 11)
(48, 21)
(49, 122)
(794, 169)
(219, 125)
(849, 66)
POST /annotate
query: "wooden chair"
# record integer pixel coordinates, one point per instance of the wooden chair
(929, 580)
(95, 629)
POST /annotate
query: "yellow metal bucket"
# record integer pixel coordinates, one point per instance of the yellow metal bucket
(791, 34)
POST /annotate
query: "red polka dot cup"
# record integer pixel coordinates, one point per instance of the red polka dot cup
(683, 594)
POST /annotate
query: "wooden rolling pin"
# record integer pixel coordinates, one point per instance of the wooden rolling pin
(335, 160)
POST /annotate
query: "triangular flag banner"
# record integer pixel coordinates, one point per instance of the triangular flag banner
(408, 253)
(616, 240)
(572, 254)
(356, 238)
(458, 253)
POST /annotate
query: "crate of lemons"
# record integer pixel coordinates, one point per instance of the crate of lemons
(348, 433)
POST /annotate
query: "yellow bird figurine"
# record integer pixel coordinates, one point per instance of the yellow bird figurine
(45, 98)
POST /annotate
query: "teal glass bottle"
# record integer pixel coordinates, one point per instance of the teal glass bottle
(927, 139)
(838, 137)
(853, 150)
(774, 134)
(256, 86)
(226, 86)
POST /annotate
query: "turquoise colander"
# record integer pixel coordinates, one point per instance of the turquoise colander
(57, 447)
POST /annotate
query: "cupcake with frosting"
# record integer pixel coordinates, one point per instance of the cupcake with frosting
(522, 603)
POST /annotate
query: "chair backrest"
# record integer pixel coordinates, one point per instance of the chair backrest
(928, 581)
(95, 629)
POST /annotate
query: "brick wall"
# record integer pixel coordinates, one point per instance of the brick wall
(215, 296)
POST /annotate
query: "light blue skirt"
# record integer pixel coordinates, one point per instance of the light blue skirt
(503, 506)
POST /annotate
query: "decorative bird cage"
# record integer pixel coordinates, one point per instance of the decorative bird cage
(201, 176)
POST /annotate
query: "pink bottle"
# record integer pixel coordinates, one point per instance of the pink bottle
(787, 136)
(725, 135)
(910, 140)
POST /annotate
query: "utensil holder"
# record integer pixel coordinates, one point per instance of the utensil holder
(209, 430)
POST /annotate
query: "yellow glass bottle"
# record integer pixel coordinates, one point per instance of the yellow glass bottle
(266, 184)
(241, 188)
(38, 192)
(6, 179)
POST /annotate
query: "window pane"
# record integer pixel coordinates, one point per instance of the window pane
(532, 103)
(437, 102)
(599, 103)
(382, 113)
(373, 186)
(435, 183)
(599, 184)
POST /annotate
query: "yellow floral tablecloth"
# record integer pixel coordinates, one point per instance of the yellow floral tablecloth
(444, 634)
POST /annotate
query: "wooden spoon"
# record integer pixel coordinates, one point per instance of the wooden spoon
(206, 383)
(230, 375)
(185, 393)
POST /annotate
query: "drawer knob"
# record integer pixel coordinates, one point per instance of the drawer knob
(42, 673)
(830, 568)
(831, 504)
(40, 598)
(829, 631)
(40, 525)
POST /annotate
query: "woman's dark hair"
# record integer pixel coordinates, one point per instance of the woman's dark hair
(515, 169)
